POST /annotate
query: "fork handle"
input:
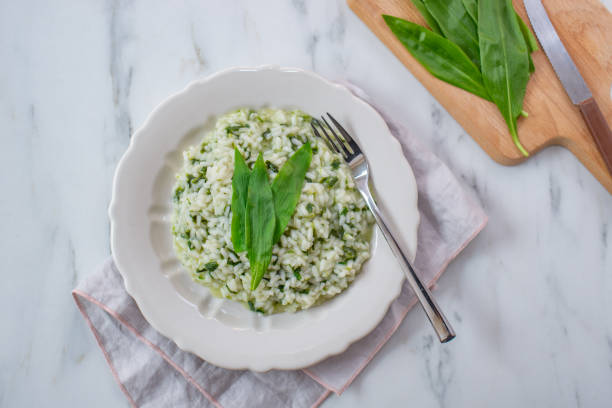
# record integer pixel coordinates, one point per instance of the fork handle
(442, 327)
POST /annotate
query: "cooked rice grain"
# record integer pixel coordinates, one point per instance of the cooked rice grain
(327, 239)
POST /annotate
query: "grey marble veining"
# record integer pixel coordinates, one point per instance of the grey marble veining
(529, 298)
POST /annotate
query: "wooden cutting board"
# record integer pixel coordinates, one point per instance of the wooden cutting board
(584, 26)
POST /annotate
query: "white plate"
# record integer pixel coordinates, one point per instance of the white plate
(221, 331)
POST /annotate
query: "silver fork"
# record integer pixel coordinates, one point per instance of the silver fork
(345, 145)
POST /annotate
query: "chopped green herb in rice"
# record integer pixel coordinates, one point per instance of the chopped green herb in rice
(324, 244)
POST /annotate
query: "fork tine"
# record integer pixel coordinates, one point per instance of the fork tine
(338, 140)
(331, 146)
(351, 142)
(330, 140)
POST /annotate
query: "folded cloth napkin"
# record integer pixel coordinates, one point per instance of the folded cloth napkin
(153, 372)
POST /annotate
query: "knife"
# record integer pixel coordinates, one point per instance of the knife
(572, 81)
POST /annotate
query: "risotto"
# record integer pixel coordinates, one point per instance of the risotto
(325, 243)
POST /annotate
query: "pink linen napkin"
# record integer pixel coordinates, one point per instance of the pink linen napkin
(153, 372)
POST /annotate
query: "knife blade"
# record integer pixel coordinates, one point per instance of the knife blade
(570, 77)
(562, 63)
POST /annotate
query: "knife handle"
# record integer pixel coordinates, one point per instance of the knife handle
(599, 128)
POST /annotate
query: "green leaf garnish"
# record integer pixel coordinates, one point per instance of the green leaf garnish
(260, 221)
(240, 184)
(260, 211)
(287, 187)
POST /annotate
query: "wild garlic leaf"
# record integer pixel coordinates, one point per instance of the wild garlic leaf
(431, 22)
(505, 60)
(287, 187)
(441, 57)
(456, 25)
(240, 185)
(530, 40)
(471, 6)
(260, 221)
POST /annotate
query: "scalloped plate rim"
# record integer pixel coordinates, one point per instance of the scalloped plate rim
(298, 361)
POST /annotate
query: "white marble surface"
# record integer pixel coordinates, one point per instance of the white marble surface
(530, 298)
